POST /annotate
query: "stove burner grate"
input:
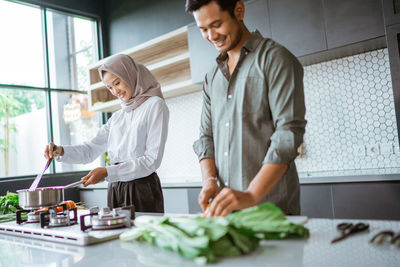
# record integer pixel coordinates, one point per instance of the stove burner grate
(105, 219)
(53, 216)
(58, 219)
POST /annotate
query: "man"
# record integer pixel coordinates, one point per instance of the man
(252, 120)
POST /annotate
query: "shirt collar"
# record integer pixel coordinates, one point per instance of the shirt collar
(249, 45)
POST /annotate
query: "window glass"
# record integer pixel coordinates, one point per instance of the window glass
(73, 124)
(82, 61)
(21, 46)
(84, 30)
(25, 111)
(71, 49)
(23, 132)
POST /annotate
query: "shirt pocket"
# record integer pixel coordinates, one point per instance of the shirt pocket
(255, 97)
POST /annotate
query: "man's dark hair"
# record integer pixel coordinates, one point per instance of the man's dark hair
(226, 5)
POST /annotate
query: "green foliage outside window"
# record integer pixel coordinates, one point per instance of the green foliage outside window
(14, 103)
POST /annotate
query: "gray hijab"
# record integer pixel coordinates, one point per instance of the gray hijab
(136, 76)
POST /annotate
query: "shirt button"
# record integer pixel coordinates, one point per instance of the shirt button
(227, 124)
(246, 53)
(226, 154)
(229, 96)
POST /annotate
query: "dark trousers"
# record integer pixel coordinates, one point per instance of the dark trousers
(144, 193)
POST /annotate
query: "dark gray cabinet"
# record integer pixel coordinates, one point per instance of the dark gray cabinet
(298, 25)
(305, 27)
(352, 21)
(203, 54)
(393, 43)
(256, 17)
(391, 11)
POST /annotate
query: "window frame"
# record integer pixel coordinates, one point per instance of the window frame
(47, 89)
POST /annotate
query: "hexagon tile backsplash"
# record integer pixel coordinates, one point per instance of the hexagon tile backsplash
(351, 117)
(351, 127)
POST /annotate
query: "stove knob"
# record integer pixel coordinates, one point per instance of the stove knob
(94, 210)
(115, 211)
(104, 211)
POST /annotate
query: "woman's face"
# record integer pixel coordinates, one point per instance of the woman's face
(117, 86)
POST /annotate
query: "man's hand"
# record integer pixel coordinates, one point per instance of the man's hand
(209, 190)
(95, 176)
(229, 200)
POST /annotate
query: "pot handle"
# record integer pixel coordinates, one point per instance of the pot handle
(73, 184)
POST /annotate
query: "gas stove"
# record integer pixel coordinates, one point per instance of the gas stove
(54, 216)
(61, 225)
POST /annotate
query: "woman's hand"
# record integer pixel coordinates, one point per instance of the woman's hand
(95, 176)
(49, 153)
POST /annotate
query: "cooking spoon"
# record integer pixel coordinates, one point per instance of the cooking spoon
(39, 177)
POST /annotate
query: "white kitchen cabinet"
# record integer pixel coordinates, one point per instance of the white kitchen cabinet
(181, 200)
(93, 197)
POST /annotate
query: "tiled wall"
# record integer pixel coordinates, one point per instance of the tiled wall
(179, 163)
(351, 117)
(351, 126)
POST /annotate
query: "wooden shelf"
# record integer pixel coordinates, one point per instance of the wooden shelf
(167, 57)
(113, 104)
(181, 88)
(109, 106)
(169, 61)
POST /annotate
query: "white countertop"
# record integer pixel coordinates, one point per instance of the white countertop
(314, 251)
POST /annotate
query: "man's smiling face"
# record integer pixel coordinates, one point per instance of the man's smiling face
(218, 26)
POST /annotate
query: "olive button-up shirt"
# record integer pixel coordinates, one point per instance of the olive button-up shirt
(255, 116)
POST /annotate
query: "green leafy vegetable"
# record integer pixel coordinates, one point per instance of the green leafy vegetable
(8, 207)
(267, 220)
(9, 203)
(208, 239)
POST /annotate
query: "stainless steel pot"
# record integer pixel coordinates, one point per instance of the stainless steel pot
(44, 196)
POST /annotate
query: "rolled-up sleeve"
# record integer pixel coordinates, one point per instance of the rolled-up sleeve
(204, 146)
(286, 100)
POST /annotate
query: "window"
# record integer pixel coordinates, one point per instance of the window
(23, 119)
(44, 76)
(21, 46)
(72, 47)
(73, 124)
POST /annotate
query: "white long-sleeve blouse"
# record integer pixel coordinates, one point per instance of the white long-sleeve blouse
(135, 140)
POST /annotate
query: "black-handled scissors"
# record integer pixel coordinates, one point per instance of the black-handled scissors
(348, 229)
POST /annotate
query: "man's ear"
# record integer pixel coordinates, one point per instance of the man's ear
(239, 10)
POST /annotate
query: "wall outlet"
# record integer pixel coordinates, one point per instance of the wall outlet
(372, 149)
(359, 150)
(386, 148)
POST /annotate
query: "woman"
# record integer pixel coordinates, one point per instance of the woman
(134, 138)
